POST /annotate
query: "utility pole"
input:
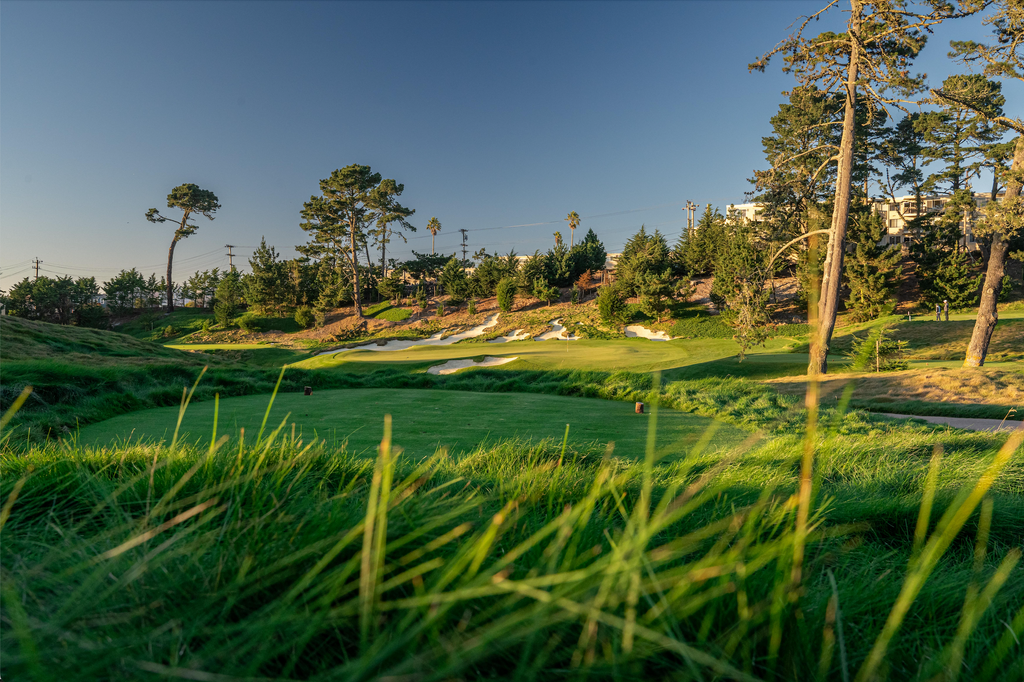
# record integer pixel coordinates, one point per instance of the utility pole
(463, 231)
(690, 209)
(231, 262)
(36, 264)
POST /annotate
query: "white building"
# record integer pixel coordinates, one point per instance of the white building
(895, 214)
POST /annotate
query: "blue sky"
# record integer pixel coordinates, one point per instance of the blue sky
(493, 115)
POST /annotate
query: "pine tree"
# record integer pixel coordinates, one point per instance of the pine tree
(657, 291)
(873, 55)
(873, 270)
(943, 269)
(643, 253)
(267, 286)
(741, 272)
(695, 252)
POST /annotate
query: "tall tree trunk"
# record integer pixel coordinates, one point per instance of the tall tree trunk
(988, 313)
(828, 303)
(432, 235)
(170, 283)
(355, 270)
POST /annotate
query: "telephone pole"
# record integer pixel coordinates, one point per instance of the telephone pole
(36, 264)
(231, 262)
(463, 231)
(690, 209)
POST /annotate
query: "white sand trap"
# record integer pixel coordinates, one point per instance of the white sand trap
(434, 340)
(517, 335)
(556, 333)
(453, 366)
(635, 330)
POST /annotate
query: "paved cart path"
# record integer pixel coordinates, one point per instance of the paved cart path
(961, 422)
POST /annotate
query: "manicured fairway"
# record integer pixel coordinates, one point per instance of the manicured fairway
(425, 420)
(634, 355)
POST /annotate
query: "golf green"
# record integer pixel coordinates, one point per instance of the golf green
(423, 421)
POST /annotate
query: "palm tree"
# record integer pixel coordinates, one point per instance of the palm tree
(574, 222)
(434, 226)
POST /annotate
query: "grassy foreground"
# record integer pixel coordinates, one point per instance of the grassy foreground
(895, 556)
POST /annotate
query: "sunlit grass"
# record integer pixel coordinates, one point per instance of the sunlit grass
(265, 556)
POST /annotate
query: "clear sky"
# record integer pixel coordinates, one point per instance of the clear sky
(498, 117)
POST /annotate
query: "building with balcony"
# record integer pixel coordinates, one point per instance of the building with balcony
(895, 214)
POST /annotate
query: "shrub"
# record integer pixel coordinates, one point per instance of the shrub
(440, 308)
(611, 306)
(223, 313)
(507, 290)
(471, 307)
(93, 316)
(170, 331)
(304, 316)
(248, 322)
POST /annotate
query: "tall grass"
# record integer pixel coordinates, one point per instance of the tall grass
(279, 559)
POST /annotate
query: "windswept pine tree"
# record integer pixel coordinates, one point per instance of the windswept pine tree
(1003, 223)
(869, 66)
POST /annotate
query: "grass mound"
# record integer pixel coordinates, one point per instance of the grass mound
(289, 561)
(386, 311)
(29, 340)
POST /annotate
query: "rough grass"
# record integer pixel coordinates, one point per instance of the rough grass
(961, 392)
(150, 325)
(28, 340)
(518, 562)
(931, 340)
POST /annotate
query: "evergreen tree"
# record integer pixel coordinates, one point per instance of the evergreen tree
(266, 287)
(392, 287)
(594, 252)
(799, 150)
(189, 198)
(228, 297)
(124, 291)
(532, 268)
(695, 252)
(741, 272)
(611, 306)
(958, 137)
(545, 292)
(643, 253)
(454, 280)
(506, 292)
(943, 268)
(350, 199)
(657, 291)
(874, 55)
(873, 271)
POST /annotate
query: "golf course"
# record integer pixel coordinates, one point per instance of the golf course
(512, 341)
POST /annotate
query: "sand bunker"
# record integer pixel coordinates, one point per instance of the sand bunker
(556, 333)
(517, 335)
(434, 340)
(453, 366)
(635, 330)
